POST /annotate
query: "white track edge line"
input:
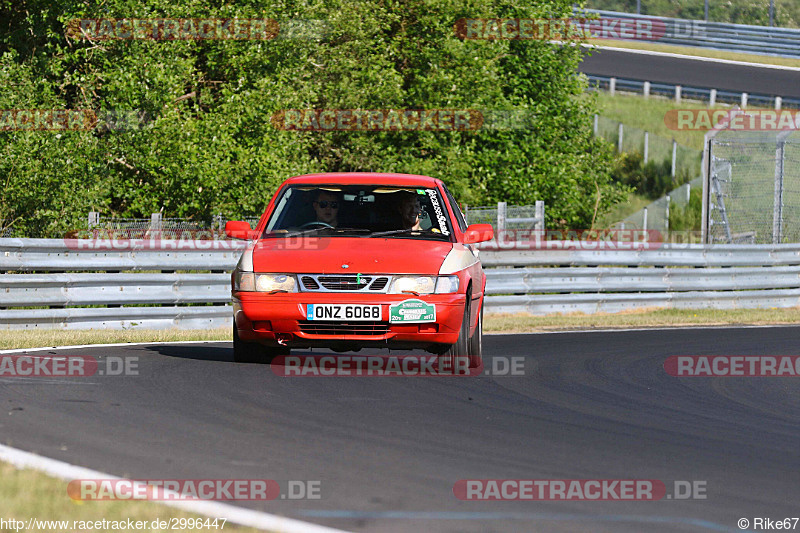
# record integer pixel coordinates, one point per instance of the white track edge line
(237, 515)
(694, 58)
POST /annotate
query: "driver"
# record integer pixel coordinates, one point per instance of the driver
(326, 206)
(410, 211)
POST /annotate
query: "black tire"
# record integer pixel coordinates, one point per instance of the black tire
(475, 347)
(459, 350)
(253, 352)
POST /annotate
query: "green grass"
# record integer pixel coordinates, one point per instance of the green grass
(27, 493)
(622, 210)
(648, 114)
(647, 318)
(698, 52)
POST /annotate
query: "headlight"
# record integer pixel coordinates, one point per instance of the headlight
(418, 284)
(446, 284)
(254, 282)
(424, 284)
(275, 282)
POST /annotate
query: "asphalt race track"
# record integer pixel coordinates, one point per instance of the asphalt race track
(692, 73)
(388, 451)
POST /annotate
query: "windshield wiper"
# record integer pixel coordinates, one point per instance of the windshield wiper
(395, 232)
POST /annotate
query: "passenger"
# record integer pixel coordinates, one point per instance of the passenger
(326, 206)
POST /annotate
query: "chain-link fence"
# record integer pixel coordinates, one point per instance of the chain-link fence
(656, 215)
(685, 162)
(753, 192)
(505, 217)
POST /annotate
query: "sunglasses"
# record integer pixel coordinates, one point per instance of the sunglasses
(323, 205)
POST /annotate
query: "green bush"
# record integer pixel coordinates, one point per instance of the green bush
(211, 148)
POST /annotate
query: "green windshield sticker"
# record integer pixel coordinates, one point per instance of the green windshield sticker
(412, 311)
(420, 191)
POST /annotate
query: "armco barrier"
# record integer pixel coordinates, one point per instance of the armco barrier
(575, 278)
(719, 35)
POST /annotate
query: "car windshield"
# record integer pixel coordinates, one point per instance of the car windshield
(360, 211)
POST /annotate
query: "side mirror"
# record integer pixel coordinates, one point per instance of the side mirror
(478, 233)
(237, 229)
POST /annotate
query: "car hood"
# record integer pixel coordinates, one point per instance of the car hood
(362, 255)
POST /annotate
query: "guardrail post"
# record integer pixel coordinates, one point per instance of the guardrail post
(644, 218)
(744, 100)
(778, 103)
(674, 159)
(646, 90)
(501, 217)
(619, 138)
(677, 94)
(712, 99)
(595, 124)
(666, 216)
(539, 214)
(612, 86)
(646, 145)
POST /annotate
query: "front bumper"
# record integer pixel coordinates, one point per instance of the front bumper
(270, 318)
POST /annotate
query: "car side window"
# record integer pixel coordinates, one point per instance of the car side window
(462, 224)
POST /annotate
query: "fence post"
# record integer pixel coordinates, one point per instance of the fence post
(677, 94)
(778, 102)
(595, 124)
(646, 145)
(619, 139)
(155, 224)
(94, 219)
(646, 90)
(644, 218)
(674, 165)
(744, 100)
(777, 208)
(501, 217)
(712, 99)
(539, 214)
(612, 86)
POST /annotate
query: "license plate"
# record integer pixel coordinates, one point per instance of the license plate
(349, 312)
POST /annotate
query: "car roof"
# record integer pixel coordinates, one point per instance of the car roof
(364, 178)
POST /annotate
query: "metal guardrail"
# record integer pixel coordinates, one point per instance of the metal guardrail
(719, 35)
(551, 281)
(703, 94)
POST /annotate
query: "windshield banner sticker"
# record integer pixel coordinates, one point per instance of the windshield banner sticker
(437, 209)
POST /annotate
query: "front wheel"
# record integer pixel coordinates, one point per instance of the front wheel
(253, 352)
(475, 346)
(455, 356)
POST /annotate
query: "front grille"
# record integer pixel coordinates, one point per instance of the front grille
(309, 283)
(318, 327)
(344, 283)
(379, 284)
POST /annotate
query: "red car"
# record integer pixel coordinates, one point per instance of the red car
(356, 260)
